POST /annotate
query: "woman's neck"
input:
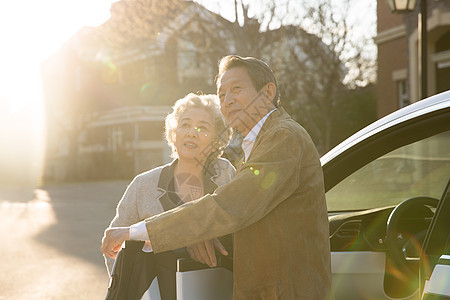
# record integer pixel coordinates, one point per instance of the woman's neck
(188, 177)
(193, 167)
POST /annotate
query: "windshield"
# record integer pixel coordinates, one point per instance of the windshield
(418, 169)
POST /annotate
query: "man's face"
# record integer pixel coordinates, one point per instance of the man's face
(241, 104)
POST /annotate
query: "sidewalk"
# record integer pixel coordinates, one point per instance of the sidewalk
(52, 236)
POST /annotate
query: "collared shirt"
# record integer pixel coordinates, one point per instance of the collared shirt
(249, 140)
(138, 231)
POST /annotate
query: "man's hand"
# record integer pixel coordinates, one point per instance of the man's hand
(113, 239)
(204, 252)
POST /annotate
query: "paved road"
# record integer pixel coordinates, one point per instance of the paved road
(51, 238)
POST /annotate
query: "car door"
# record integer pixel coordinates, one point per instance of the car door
(365, 183)
(435, 258)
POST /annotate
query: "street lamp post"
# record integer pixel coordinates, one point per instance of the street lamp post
(423, 48)
(403, 6)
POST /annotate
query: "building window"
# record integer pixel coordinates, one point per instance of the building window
(189, 63)
(442, 76)
(135, 71)
(114, 138)
(402, 94)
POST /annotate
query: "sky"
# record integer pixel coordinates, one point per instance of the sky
(30, 32)
(33, 30)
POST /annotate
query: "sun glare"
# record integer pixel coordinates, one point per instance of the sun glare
(31, 32)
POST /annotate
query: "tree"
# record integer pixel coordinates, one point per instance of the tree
(313, 48)
(321, 66)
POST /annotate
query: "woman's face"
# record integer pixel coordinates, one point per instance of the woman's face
(194, 135)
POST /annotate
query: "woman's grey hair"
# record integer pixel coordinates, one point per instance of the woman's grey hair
(210, 103)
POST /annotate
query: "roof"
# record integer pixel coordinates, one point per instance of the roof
(130, 114)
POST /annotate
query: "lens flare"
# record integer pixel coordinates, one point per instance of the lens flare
(268, 180)
(148, 88)
(110, 70)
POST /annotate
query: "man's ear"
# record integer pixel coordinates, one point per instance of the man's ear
(270, 91)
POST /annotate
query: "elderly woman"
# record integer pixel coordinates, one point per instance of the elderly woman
(197, 134)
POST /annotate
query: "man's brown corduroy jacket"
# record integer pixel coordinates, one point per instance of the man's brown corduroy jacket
(275, 205)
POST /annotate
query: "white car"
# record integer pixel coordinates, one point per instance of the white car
(383, 186)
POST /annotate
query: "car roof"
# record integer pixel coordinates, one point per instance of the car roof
(416, 109)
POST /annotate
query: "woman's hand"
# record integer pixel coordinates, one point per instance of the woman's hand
(204, 252)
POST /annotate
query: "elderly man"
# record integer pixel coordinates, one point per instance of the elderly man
(275, 205)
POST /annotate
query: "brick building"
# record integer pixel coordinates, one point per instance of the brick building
(398, 82)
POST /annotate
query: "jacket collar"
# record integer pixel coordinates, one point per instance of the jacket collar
(276, 116)
(168, 198)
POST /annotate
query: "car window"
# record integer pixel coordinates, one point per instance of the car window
(418, 169)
